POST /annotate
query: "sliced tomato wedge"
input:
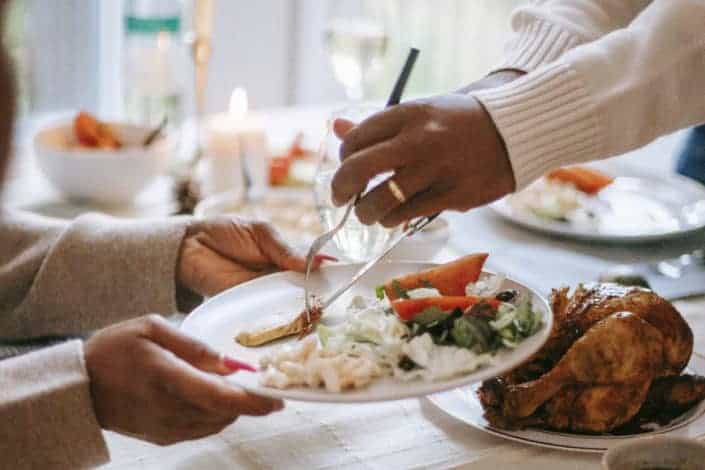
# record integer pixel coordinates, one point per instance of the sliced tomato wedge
(450, 278)
(406, 309)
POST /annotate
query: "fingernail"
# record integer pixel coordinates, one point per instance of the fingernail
(235, 365)
(323, 257)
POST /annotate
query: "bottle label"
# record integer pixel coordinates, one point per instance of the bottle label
(138, 25)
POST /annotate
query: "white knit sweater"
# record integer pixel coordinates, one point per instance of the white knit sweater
(604, 77)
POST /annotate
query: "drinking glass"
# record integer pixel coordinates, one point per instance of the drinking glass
(356, 38)
(355, 241)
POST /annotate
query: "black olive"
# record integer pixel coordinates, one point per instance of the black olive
(405, 363)
(506, 295)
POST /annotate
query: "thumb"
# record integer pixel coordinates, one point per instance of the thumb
(341, 127)
(192, 351)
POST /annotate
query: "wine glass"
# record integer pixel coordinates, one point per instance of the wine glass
(355, 241)
(356, 38)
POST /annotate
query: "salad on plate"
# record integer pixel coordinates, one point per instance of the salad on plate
(432, 325)
(566, 194)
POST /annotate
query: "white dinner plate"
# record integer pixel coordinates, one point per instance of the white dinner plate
(680, 197)
(280, 296)
(464, 405)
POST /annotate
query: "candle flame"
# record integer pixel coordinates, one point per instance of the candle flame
(238, 103)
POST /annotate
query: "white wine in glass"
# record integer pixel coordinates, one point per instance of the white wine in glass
(355, 241)
(356, 40)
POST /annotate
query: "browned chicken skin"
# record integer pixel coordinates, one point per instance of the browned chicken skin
(609, 344)
(621, 349)
(591, 303)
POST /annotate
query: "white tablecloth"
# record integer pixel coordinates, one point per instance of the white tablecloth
(396, 435)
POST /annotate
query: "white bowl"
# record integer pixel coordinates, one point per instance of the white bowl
(95, 175)
(656, 452)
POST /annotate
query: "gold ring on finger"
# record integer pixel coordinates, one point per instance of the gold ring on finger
(396, 191)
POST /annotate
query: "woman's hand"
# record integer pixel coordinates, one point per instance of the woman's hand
(445, 153)
(151, 381)
(219, 253)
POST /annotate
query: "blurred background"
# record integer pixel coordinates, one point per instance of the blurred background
(280, 51)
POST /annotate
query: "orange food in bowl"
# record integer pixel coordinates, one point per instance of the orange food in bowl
(90, 132)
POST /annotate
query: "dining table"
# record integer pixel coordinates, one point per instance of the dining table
(410, 433)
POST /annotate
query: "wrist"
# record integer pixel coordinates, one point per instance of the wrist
(505, 181)
(186, 296)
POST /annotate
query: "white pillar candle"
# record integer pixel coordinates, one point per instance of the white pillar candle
(239, 132)
(222, 168)
(252, 137)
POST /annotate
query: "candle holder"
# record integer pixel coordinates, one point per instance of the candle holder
(188, 189)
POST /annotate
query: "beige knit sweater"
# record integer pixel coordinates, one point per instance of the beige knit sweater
(58, 278)
(605, 77)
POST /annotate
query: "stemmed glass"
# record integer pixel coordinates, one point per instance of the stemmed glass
(357, 38)
(355, 241)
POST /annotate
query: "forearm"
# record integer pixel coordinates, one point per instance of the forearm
(58, 278)
(544, 30)
(606, 97)
(47, 411)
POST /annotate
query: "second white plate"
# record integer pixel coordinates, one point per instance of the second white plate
(676, 195)
(464, 405)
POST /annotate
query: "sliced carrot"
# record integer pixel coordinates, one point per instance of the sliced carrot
(450, 278)
(90, 132)
(585, 179)
(406, 309)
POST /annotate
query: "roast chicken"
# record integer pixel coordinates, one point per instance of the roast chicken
(614, 360)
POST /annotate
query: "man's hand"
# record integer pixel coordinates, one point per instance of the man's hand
(445, 153)
(219, 253)
(153, 382)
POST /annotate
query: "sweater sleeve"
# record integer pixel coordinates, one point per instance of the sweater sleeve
(47, 412)
(608, 96)
(64, 278)
(544, 30)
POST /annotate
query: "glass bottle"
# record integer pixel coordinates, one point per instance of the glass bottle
(155, 61)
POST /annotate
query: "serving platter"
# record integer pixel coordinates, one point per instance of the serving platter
(280, 297)
(635, 198)
(463, 404)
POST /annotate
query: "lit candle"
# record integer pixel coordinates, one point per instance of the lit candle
(222, 167)
(240, 130)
